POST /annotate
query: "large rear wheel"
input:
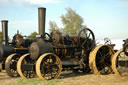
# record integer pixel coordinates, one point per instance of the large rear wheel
(100, 59)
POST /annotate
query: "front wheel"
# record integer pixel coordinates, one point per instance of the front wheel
(23, 67)
(48, 66)
(10, 65)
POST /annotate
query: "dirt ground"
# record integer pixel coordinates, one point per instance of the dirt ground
(67, 79)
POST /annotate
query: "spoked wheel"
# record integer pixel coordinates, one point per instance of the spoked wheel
(100, 59)
(26, 72)
(10, 65)
(120, 63)
(48, 66)
(86, 39)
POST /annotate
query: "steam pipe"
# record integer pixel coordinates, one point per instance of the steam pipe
(41, 20)
(5, 31)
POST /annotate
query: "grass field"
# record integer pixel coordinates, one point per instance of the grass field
(67, 79)
(35, 81)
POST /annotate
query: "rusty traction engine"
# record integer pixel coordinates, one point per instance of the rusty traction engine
(120, 60)
(10, 52)
(52, 53)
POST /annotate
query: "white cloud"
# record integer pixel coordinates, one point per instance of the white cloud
(36, 3)
(9, 3)
(6, 3)
(40, 2)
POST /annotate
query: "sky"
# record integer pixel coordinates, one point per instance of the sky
(106, 18)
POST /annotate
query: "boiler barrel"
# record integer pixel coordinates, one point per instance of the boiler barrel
(38, 48)
(5, 51)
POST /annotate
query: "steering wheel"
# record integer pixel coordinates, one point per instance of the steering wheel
(86, 39)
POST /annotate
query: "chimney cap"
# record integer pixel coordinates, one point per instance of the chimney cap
(41, 8)
(4, 20)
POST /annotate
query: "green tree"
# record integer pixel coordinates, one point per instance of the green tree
(72, 22)
(32, 35)
(53, 26)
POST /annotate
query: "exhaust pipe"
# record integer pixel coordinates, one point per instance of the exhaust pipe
(41, 20)
(5, 32)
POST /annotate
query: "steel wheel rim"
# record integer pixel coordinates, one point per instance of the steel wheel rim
(0, 67)
(19, 64)
(12, 72)
(38, 66)
(115, 64)
(93, 63)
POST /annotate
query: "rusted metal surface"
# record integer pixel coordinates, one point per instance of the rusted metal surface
(38, 48)
(18, 41)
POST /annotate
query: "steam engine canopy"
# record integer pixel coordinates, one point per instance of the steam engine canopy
(38, 48)
(5, 51)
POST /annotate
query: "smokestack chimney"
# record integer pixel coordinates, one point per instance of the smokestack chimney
(5, 31)
(41, 20)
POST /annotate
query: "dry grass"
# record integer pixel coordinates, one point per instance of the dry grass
(68, 79)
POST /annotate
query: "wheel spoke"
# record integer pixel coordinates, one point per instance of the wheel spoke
(88, 35)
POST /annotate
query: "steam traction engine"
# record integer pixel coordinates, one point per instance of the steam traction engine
(11, 51)
(120, 60)
(53, 53)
